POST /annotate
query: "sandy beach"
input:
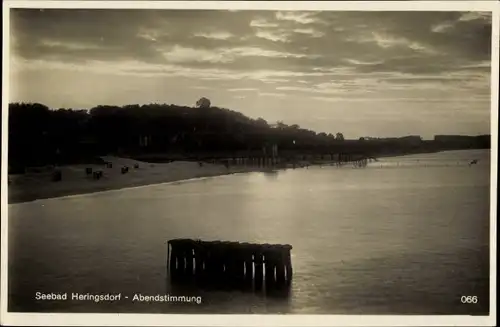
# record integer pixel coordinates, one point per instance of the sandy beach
(39, 185)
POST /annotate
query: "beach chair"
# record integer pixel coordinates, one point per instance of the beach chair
(57, 176)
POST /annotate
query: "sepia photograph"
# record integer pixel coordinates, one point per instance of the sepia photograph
(306, 163)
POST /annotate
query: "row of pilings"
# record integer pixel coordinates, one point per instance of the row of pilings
(251, 161)
(232, 263)
(339, 159)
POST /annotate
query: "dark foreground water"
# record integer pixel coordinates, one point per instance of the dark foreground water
(407, 235)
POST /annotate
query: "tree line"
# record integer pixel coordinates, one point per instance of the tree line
(39, 135)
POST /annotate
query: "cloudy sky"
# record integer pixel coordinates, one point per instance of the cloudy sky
(361, 73)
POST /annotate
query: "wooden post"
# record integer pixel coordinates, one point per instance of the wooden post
(209, 267)
(258, 267)
(189, 255)
(217, 259)
(270, 265)
(225, 256)
(280, 265)
(174, 258)
(181, 259)
(199, 257)
(230, 259)
(239, 262)
(288, 263)
(248, 262)
(168, 254)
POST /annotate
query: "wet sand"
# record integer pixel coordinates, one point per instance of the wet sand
(34, 186)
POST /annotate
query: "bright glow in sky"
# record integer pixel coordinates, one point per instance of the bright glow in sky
(360, 73)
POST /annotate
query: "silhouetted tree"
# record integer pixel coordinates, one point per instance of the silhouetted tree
(203, 103)
(281, 125)
(262, 122)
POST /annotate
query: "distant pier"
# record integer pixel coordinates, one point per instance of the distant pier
(357, 160)
(233, 263)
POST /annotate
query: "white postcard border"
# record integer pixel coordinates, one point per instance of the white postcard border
(43, 319)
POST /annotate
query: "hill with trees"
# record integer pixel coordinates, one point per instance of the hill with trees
(39, 135)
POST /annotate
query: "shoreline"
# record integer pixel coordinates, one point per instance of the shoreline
(32, 187)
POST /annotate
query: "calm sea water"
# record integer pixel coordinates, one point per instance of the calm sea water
(406, 235)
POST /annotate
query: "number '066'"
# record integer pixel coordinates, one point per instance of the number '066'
(469, 299)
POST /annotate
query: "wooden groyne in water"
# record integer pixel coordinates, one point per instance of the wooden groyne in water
(231, 262)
